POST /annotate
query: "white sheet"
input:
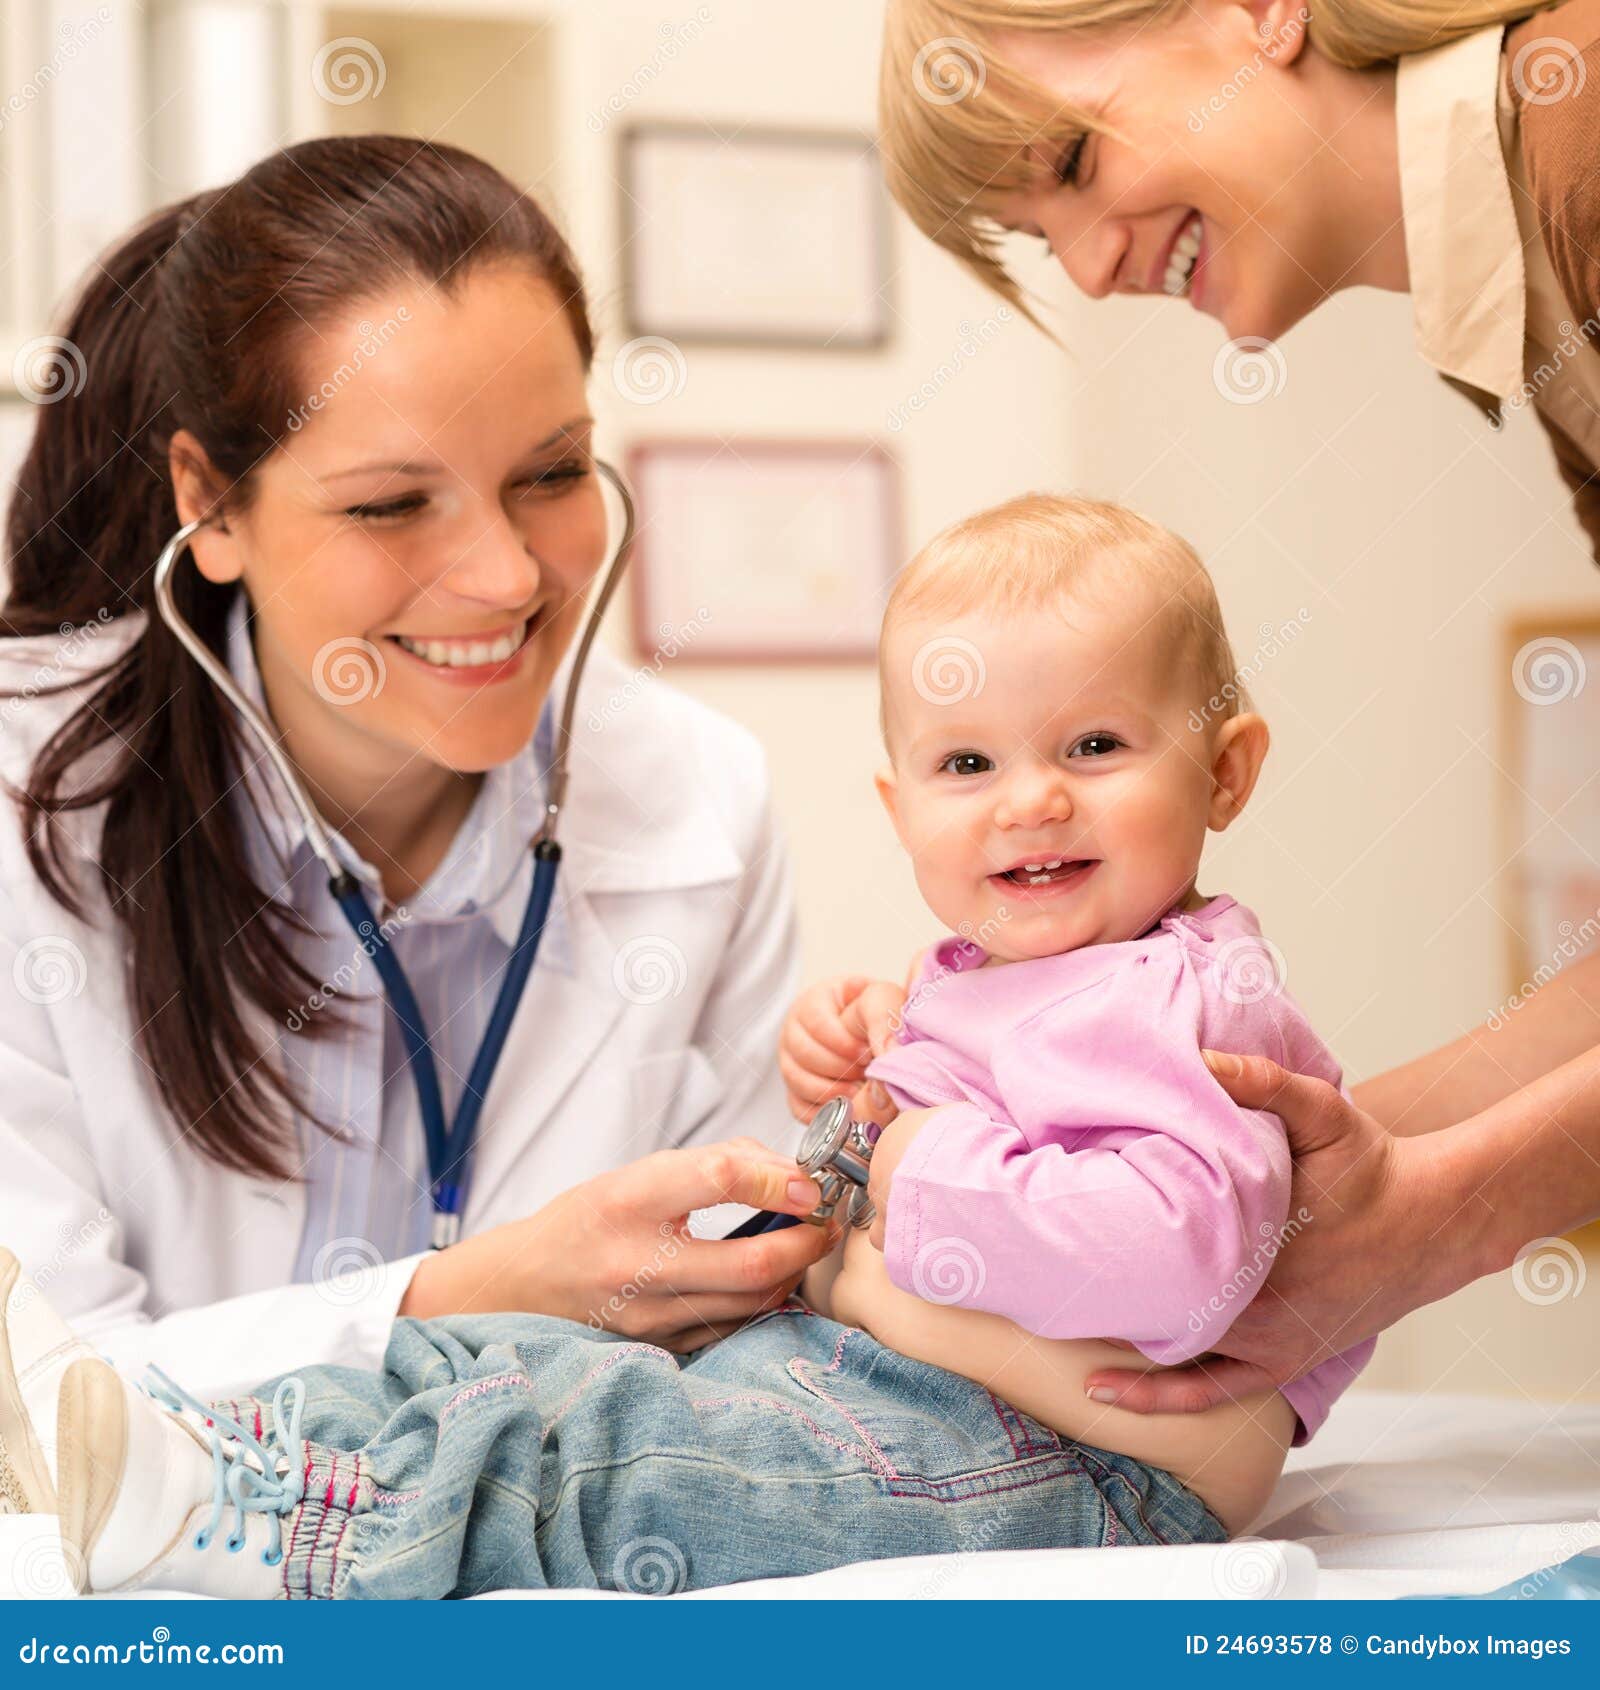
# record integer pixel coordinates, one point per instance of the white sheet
(1441, 1495)
(1398, 1495)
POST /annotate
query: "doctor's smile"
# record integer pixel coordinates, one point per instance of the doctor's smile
(470, 652)
(404, 1016)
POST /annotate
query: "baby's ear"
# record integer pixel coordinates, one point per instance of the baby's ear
(889, 791)
(1236, 761)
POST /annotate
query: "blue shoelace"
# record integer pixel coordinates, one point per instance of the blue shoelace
(234, 1480)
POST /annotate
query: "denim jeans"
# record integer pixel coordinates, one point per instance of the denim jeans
(502, 1452)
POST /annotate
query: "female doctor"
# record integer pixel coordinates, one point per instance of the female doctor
(364, 364)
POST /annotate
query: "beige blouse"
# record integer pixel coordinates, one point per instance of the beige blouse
(1500, 182)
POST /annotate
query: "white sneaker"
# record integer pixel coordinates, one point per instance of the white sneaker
(144, 1485)
(36, 1348)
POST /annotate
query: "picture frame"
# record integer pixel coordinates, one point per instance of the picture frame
(1550, 728)
(822, 517)
(758, 237)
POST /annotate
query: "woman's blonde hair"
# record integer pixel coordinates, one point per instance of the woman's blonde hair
(960, 127)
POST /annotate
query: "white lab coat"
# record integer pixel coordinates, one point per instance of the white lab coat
(158, 1254)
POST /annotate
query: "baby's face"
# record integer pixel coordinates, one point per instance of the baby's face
(1056, 736)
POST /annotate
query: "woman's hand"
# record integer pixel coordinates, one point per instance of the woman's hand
(616, 1251)
(832, 1033)
(1366, 1253)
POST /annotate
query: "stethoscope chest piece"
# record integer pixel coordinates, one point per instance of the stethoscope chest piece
(837, 1153)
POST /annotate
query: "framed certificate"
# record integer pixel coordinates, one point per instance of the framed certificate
(761, 237)
(1552, 729)
(763, 551)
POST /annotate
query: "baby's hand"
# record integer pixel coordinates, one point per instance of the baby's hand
(893, 1142)
(833, 1031)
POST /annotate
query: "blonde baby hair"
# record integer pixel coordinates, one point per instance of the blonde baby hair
(1041, 549)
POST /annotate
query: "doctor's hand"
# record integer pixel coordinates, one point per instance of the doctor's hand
(1363, 1247)
(616, 1252)
(833, 1031)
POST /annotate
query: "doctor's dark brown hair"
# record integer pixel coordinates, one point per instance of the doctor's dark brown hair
(203, 319)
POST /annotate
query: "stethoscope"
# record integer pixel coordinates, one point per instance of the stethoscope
(837, 1153)
(449, 1144)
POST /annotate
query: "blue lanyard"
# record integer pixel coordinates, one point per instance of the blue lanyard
(449, 1144)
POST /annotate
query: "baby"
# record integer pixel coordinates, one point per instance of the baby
(1064, 726)
(1060, 1175)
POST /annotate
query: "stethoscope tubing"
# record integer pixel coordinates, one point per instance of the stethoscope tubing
(449, 1145)
(763, 1220)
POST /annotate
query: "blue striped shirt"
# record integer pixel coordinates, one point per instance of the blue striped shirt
(367, 1197)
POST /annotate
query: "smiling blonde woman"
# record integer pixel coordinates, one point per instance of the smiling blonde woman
(1250, 159)
(1254, 157)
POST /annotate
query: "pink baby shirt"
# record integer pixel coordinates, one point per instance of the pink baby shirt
(1086, 1176)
